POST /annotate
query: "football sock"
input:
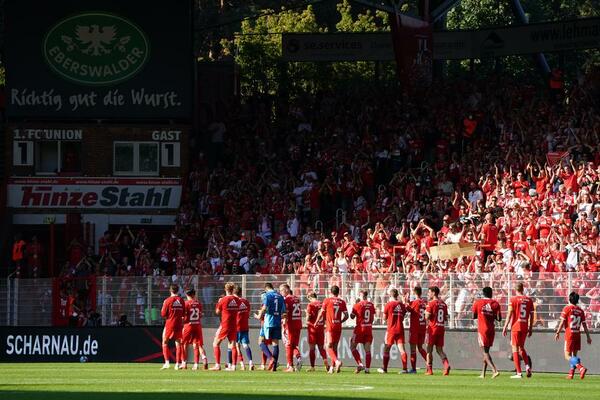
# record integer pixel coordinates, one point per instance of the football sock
(249, 353)
(323, 354)
(446, 363)
(404, 361)
(234, 355)
(356, 356)
(180, 353)
(386, 360)
(579, 366)
(263, 358)
(413, 360)
(332, 355)
(217, 351)
(266, 351)
(517, 362)
(275, 355)
(165, 348)
(229, 355)
(312, 356)
(368, 359)
(289, 355)
(525, 357)
(196, 355)
(423, 353)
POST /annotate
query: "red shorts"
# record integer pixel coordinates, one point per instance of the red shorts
(363, 336)
(316, 336)
(417, 337)
(486, 339)
(572, 343)
(226, 333)
(192, 334)
(172, 332)
(292, 337)
(394, 338)
(333, 336)
(435, 336)
(517, 338)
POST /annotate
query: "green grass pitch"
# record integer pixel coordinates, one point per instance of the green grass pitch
(92, 381)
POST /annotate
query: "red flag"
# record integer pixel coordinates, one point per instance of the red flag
(412, 39)
(556, 157)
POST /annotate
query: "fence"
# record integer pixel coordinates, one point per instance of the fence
(30, 302)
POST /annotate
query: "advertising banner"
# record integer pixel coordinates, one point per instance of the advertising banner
(94, 193)
(501, 41)
(97, 59)
(143, 344)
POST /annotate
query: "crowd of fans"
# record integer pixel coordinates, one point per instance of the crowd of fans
(364, 183)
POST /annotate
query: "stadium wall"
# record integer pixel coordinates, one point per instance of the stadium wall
(141, 344)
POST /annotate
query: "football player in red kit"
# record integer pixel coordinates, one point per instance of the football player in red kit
(243, 336)
(172, 312)
(393, 313)
(418, 328)
(192, 330)
(486, 311)
(364, 312)
(292, 327)
(437, 315)
(520, 314)
(572, 319)
(227, 308)
(335, 312)
(316, 331)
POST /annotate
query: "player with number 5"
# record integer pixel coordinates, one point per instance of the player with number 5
(437, 315)
(573, 319)
(520, 314)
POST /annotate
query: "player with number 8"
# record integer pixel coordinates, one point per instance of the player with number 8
(437, 315)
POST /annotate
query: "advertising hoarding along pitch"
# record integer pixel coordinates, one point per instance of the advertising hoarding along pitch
(98, 59)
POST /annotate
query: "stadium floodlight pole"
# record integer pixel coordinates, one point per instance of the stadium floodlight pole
(441, 10)
(539, 58)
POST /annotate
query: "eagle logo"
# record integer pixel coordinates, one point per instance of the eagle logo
(95, 40)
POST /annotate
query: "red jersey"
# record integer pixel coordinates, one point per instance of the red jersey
(487, 311)
(522, 307)
(243, 314)
(172, 311)
(364, 312)
(228, 307)
(312, 310)
(574, 316)
(417, 315)
(193, 312)
(293, 313)
(333, 308)
(394, 312)
(438, 313)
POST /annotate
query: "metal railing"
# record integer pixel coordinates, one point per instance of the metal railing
(30, 301)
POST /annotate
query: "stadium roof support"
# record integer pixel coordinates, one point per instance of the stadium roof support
(539, 58)
(443, 9)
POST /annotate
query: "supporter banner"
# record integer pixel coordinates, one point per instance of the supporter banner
(140, 344)
(94, 193)
(554, 158)
(524, 39)
(98, 59)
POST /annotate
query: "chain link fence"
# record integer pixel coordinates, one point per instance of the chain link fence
(29, 302)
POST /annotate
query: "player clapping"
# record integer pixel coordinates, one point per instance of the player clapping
(292, 323)
(316, 331)
(393, 313)
(418, 329)
(364, 312)
(437, 315)
(172, 312)
(520, 313)
(192, 330)
(486, 311)
(227, 308)
(572, 319)
(335, 312)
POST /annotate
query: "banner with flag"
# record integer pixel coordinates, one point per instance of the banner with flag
(413, 43)
(556, 157)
